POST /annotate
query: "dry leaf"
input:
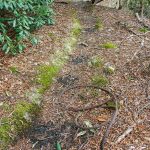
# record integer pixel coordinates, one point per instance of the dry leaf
(102, 118)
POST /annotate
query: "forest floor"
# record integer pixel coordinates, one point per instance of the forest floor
(111, 52)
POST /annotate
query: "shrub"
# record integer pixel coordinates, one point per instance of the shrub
(136, 6)
(18, 19)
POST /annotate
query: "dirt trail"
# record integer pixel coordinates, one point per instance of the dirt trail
(129, 82)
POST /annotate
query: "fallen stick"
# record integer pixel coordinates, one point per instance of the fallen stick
(114, 115)
(128, 131)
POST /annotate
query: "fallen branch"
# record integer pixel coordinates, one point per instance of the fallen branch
(89, 107)
(62, 2)
(114, 115)
(127, 132)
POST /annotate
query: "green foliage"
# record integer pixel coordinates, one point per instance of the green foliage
(144, 30)
(13, 69)
(136, 6)
(58, 146)
(5, 129)
(112, 105)
(109, 45)
(45, 76)
(18, 19)
(100, 80)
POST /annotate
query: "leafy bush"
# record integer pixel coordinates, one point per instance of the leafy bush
(18, 18)
(136, 6)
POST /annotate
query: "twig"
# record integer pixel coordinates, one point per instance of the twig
(147, 89)
(114, 115)
(89, 86)
(127, 132)
(89, 107)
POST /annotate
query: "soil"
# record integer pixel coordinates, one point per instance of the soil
(130, 83)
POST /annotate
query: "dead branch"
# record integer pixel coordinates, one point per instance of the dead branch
(128, 131)
(62, 2)
(114, 115)
(89, 107)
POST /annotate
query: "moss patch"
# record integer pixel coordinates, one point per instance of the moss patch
(20, 120)
(45, 76)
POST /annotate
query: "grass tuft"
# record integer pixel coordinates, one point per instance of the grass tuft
(109, 45)
(144, 30)
(13, 69)
(98, 24)
(100, 81)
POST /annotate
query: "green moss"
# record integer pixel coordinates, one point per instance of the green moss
(45, 75)
(100, 80)
(108, 45)
(20, 120)
(98, 24)
(5, 130)
(13, 69)
(23, 115)
(95, 62)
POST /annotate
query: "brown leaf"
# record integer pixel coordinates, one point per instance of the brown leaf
(102, 118)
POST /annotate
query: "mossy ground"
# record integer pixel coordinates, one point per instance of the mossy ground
(20, 120)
